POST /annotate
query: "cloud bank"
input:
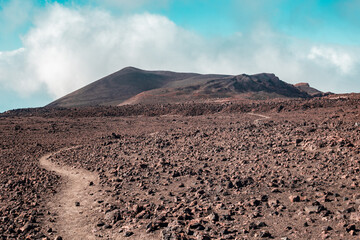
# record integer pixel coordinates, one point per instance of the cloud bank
(126, 4)
(69, 48)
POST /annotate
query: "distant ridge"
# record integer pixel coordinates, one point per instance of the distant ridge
(305, 87)
(132, 85)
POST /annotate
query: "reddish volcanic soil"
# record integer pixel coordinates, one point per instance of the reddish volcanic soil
(282, 169)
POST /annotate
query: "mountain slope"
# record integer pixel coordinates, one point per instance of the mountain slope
(117, 87)
(131, 85)
(259, 86)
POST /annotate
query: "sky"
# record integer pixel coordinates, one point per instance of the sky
(50, 48)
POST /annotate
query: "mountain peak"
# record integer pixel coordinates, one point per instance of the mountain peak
(302, 84)
(131, 69)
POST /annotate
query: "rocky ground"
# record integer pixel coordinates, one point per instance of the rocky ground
(290, 170)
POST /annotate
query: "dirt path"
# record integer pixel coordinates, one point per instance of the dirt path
(75, 209)
(262, 117)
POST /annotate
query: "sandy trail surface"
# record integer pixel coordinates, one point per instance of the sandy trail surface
(75, 206)
(262, 117)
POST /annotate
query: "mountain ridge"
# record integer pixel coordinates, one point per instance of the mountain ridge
(132, 85)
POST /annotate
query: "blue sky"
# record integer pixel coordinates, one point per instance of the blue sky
(50, 48)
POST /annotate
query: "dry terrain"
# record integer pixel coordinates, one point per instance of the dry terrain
(280, 169)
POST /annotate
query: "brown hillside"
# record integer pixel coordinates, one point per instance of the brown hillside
(131, 85)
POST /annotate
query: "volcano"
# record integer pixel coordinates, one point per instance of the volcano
(132, 86)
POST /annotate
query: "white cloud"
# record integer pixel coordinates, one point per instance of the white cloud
(69, 48)
(14, 74)
(338, 58)
(126, 4)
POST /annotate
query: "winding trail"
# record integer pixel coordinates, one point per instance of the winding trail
(72, 221)
(75, 209)
(262, 117)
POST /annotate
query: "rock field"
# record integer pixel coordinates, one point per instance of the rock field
(286, 169)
